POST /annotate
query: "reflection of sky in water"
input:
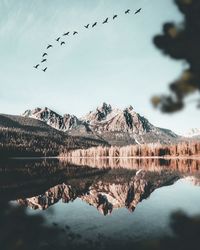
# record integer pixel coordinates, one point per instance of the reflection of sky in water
(150, 218)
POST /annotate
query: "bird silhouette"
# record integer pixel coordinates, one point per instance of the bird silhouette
(86, 26)
(138, 11)
(44, 60)
(49, 46)
(105, 21)
(115, 16)
(45, 54)
(58, 39)
(95, 24)
(62, 43)
(75, 33)
(127, 11)
(44, 69)
(36, 66)
(66, 34)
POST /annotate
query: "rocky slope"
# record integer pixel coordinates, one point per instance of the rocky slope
(115, 126)
(63, 123)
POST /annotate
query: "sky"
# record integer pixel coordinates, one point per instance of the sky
(115, 63)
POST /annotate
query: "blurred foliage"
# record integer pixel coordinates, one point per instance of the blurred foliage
(181, 42)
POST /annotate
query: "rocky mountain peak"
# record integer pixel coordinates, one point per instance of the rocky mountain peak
(115, 126)
(130, 108)
(64, 123)
(99, 114)
(105, 108)
(103, 111)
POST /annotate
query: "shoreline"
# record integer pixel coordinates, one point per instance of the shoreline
(196, 157)
(135, 157)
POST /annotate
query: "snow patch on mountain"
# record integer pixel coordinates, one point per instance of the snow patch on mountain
(193, 133)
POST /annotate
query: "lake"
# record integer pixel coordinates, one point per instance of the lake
(91, 202)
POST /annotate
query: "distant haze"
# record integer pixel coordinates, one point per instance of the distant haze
(116, 62)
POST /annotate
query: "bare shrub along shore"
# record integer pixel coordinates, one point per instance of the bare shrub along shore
(182, 149)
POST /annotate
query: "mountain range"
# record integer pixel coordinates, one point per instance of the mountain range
(114, 126)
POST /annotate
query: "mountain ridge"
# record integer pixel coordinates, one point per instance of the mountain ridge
(115, 126)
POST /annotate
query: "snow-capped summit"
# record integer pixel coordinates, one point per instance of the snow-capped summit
(115, 126)
(193, 133)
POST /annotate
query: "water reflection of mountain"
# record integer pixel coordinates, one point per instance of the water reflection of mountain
(114, 189)
(103, 187)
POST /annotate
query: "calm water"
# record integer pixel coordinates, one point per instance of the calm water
(127, 199)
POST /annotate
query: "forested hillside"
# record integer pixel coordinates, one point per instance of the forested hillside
(20, 136)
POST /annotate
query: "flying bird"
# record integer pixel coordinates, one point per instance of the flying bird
(86, 26)
(138, 11)
(45, 54)
(115, 16)
(58, 39)
(44, 69)
(94, 24)
(62, 43)
(105, 21)
(44, 60)
(49, 46)
(36, 66)
(127, 11)
(75, 33)
(66, 34)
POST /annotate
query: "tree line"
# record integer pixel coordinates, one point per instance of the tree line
(191, 148)
(182, 165)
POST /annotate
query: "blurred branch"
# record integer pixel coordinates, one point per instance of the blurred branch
(181, 42)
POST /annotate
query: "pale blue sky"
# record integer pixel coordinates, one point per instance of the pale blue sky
(116, 63)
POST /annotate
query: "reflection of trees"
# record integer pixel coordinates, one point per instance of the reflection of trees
(187, 166)
(29, 179)
(20, 231)
(119, 187)
(181, 42)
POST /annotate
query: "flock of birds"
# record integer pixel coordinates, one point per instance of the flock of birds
(44, 56)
